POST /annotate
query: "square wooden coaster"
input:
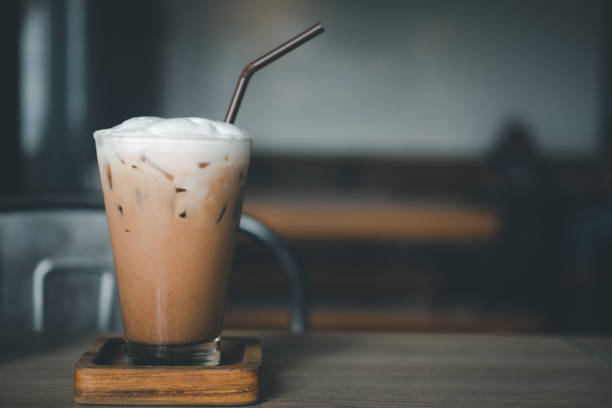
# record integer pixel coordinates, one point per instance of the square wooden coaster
(102, 377)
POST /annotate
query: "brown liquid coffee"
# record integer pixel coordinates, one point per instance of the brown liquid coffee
(173, 213)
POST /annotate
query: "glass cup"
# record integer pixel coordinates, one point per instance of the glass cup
(173, 206)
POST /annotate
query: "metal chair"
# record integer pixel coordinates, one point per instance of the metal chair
(101, 264)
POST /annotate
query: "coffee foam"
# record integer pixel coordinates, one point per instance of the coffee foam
(178, 147)
(169, 153)
(175, 128)
(174, 141)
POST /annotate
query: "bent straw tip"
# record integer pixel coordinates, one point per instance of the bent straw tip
(264, 60)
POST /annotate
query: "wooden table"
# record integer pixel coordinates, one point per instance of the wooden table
(368, 219)
(382, 370)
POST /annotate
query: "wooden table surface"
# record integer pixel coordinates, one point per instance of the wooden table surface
(382, 370)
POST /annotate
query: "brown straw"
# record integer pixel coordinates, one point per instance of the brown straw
(256, 65)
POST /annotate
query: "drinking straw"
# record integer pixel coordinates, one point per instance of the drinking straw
(256, 65)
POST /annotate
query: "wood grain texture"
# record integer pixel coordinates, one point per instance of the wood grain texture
(102, 377)
(356, 220)
(367, 370)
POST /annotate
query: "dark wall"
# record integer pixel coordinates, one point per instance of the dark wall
(403, 79)
(9, 97)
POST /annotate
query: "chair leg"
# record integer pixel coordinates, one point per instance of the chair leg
(105, 300)
(92, 265)
(298, 307)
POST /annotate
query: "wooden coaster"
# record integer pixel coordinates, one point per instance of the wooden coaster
(102, 377)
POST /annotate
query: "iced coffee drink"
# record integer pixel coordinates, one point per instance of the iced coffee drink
(173, 191)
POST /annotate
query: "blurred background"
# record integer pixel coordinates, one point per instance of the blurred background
(432, 165)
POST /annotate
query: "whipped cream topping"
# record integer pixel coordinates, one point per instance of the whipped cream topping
(188, 128)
